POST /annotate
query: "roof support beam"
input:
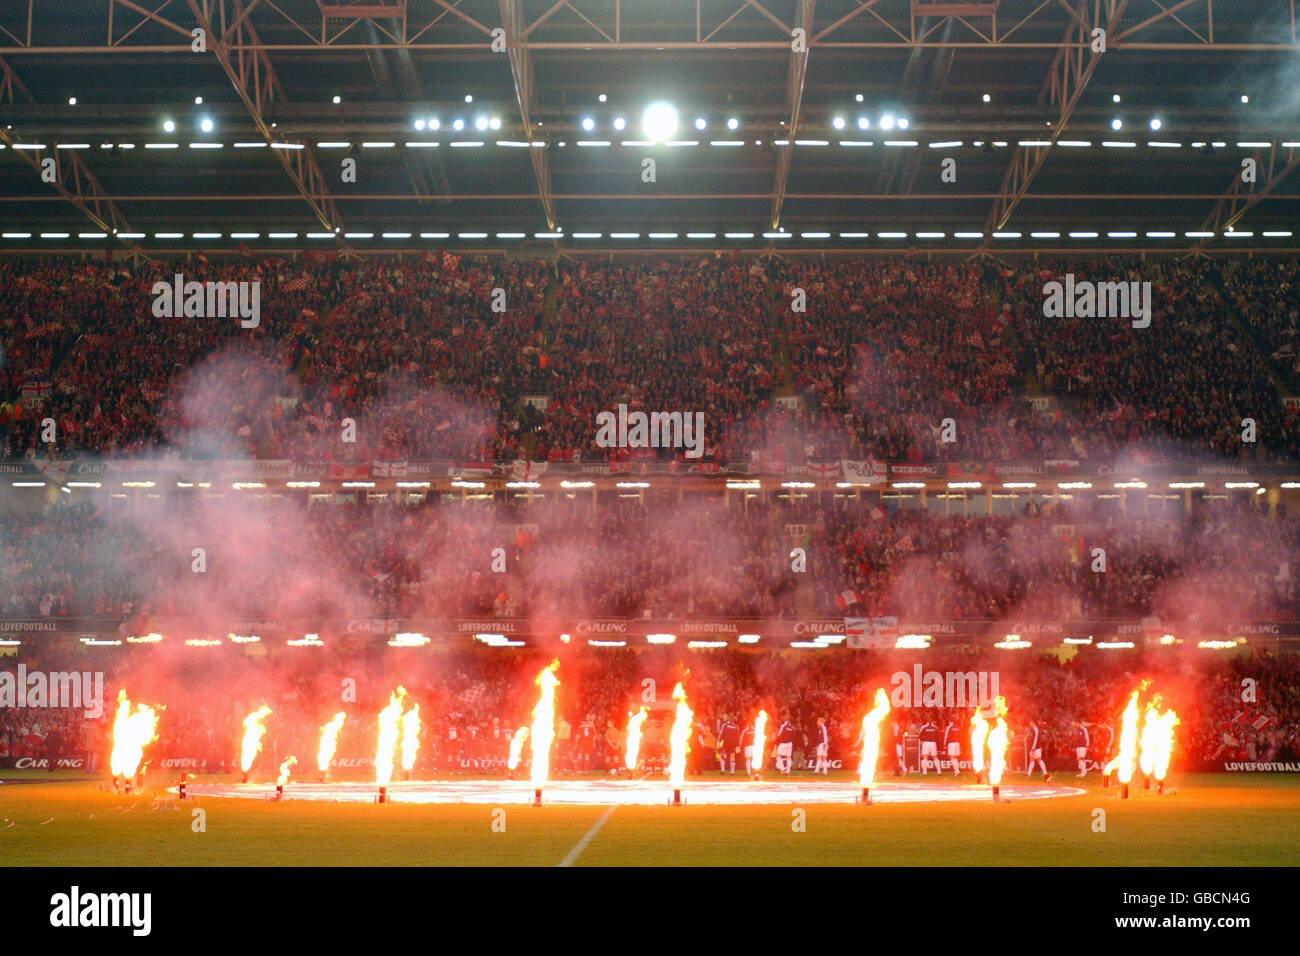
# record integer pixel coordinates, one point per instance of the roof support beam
(521, 68)
(1071, 69)
(1240, 197)
(73, 179)
(238, 49)
(794, 79)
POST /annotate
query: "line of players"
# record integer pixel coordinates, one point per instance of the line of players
(946, 732)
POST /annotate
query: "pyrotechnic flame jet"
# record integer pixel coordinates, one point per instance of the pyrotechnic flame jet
(284, 771)
(634, 739)
(543, 731)
(1122, 765)
(516, 747)
(254, 728)
(329, 737)
(1164, 744)
(1147, 739)
(998, 744)
(410, 737)
(132, 732)
(760, 739)
(679, 739)
(871, 738)
(389, 726)
(979, 730)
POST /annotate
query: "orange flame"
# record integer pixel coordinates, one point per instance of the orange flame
(253, 731)
(389, 724)
(410, 736)
(1122, 765)
(543, 731)
(284, 771)
(760, 735)
(132, 732)
(516, 747)
(1164, 744)
(998, 744)
(329, 738)
(871, 737)
(979, 730)
(634, 739)
(1147, 738)
(679, 739)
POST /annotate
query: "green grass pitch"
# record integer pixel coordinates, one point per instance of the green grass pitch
(1207, 820)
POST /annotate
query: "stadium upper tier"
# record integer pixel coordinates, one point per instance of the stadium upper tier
(448, 359)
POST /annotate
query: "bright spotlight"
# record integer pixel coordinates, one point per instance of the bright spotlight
(72, 101)
(733, 123)
(435, 123)
(1117, 123)
(495, 122)
(1155, 123)
(700, 122)
(659, 121)
(169, 126)
(987, 98)
(206, 124)
(887, 121)
(338, 100)
(903, 122)
(458, 125)
(858, 98)
(1115, 98)
(198, 101)
(864, 123)
(419, 124)
(838, 122)
(480, 123)
(1245, 98)
(601, 97)
(588, 123)
(469, 98)
(619, 123)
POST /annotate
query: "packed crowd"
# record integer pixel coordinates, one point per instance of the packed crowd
(472, 702)
(441, 358)
(279, 558)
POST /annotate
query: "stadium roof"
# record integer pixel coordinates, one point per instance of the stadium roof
(1036, 162)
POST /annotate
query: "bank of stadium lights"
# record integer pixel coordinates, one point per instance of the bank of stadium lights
(659, 122)
(1013, 642)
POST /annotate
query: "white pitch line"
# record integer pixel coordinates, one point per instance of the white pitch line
(582, 844)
